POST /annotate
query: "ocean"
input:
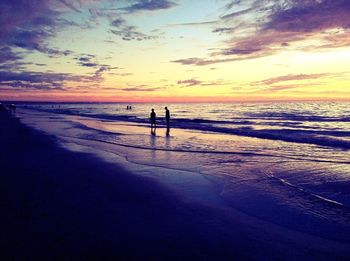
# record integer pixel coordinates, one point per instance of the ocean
(290, 158)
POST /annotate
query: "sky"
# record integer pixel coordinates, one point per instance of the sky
(174, 50)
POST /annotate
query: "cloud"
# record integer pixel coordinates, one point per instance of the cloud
(37, 80)
(310, 16)
(298, 21)
(140, 88)
(237, 13)
(10, 60)
(15, 13)
(277, 88)
(118, 22)
(89, 60)
(7, 55)
(291, 77)
(29, 25)
(222, 30)
(48, 80)
(123, 74)
(100, 70)
(128, 32)
(292, 81)
(70, 5)
(149, 5)
(189, 82)
(203, 62)
(195, 23)
(196, 61)
(85, 61)
(265, 27)
(195, 82)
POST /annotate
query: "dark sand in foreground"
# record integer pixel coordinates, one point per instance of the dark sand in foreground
(61, 205)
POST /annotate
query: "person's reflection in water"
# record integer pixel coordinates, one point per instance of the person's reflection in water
(153, 131)
(167, 133)
(167, 152)
(153, 145)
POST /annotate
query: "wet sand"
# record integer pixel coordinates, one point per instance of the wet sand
(63, 205)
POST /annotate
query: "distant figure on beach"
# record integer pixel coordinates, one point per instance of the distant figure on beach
(167, 119)
(12, 107)
(153, 119)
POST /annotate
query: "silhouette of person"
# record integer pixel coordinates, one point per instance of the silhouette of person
(167, 119)
(153, 119)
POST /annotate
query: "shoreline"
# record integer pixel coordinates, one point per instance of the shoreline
(63, 204)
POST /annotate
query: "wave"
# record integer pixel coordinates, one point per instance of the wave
(308, 193)
(202, 151)
(295, 117)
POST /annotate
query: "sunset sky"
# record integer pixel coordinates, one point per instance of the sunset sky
(174, 50)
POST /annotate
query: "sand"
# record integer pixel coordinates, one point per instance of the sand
(63, 205)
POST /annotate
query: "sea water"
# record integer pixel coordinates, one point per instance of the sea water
(276, 161)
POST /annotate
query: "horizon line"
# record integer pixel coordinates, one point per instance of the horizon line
(177, 101)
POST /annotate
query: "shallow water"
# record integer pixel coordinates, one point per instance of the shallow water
(301, 182)
(314, 123)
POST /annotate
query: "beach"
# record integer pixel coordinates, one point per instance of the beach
(69, 200)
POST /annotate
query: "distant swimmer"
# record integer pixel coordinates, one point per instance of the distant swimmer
(153, 119)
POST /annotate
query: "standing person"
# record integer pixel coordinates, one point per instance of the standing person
(153, 119)
(167, 119)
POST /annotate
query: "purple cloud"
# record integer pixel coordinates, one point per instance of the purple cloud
(15, 13)
(29, 25)
(37, 80)
(149, 5)
(310, 16)
(296, 21)
(277, 26)
(7, 55)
